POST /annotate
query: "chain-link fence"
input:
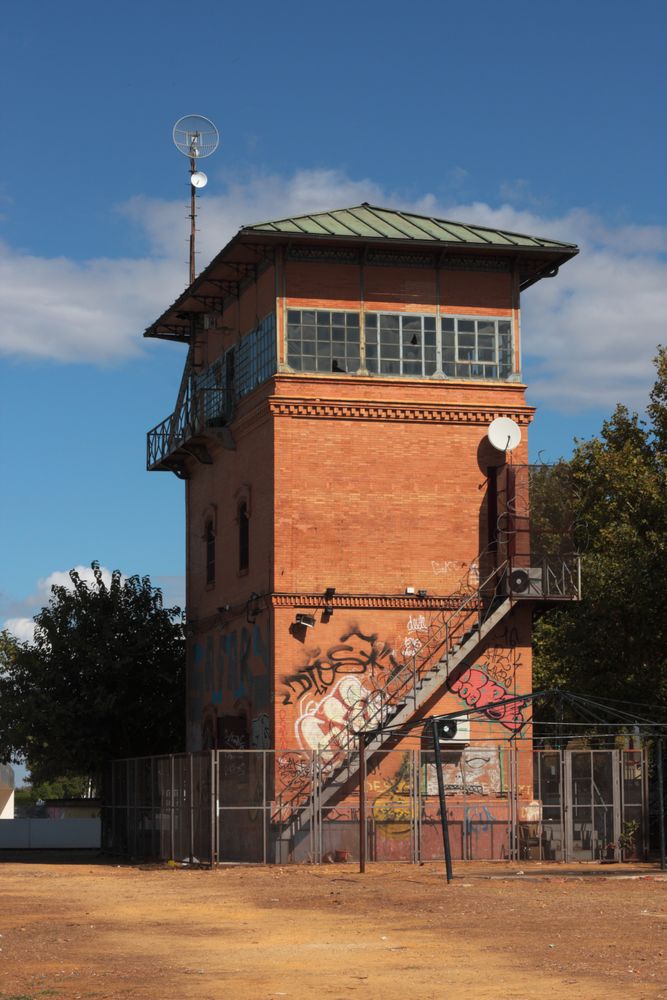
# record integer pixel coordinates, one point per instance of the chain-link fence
(293, 806)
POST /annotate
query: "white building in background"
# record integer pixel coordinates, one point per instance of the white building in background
(7, 785)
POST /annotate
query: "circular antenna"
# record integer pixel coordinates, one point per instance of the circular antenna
(504, 434)
(195, 136)
(198, 179)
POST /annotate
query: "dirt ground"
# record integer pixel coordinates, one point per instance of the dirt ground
(498, 931)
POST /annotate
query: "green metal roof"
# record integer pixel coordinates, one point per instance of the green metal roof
(370, 222)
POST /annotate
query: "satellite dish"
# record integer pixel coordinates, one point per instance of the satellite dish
(195, 136)
(504, 434)
(198, 179)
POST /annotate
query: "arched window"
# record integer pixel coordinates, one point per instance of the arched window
(244, 537)
(209, 538)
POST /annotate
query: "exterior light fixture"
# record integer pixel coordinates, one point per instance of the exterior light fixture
(328, 610)
(328, 593)
(307, 621)
(422, 593)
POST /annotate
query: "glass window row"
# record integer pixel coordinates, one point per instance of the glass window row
(400, 344)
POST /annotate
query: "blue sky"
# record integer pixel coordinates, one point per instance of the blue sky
(539, 118)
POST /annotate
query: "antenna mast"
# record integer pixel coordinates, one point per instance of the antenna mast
(195, 137)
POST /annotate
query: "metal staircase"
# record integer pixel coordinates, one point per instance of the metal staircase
(454, 637)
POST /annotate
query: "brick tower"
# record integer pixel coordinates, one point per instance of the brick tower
(343, 502)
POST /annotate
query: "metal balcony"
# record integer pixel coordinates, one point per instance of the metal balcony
(204, 409)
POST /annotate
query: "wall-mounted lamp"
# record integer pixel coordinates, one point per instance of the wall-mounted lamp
(251, 613)
(329, 593)
(307, 621)
(422, 593)
(328, 610)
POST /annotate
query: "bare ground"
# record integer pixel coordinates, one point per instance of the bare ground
(99, 931)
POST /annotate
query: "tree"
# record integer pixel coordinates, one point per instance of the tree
(104, 679)
(614, 642)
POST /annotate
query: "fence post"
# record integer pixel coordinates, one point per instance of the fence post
(172, 832)
(213, 807)
(191, 783)
(362, 804)
(661, 805)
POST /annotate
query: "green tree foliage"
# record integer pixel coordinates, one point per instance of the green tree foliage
(614, 642)
(103, 679)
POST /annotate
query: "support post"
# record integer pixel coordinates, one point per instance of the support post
(661, 804)
(362, 804)
(443, 804)
(214, 809)
(191, 797)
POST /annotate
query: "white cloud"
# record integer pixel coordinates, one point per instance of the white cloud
(22, 629)
(22, 626)
(589, 334)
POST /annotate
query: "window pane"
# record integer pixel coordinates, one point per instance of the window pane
(293, 316)
(429, 339)
(466, 339)
(353, 335)
(338, 319)
(412, 323)
(412, 368)
(294, 361)
(338, 334)
(484, 327)
(389, 323)
(504, 327)
(309, 347)
(371, 351)
(429, 324)
(448, 325)
(390, 367)
(390, 350)
(308, 317)
(466, 326)
(308, 332)
(429, 367)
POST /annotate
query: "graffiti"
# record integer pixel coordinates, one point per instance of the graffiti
(394, 808)
(225, 672)
(477, 772)
(331, 724)
(417, 624)
(366, 655)
(411, 646)
(477, 819)
(502, 661)
(478, 690)
(294, 770)
(467, 573)
(260, 732)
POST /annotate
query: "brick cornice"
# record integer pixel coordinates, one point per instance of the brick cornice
(444, 414)
(389, 602)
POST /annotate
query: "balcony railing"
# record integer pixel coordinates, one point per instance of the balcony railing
(203, 408)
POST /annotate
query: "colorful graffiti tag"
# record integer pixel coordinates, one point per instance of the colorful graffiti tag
(227, 671)
(479, 691)
(331, 724)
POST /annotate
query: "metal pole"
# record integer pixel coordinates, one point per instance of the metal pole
(443, 805)
(172, 847)
(192, 807)
(193, 216)
(661, 805)
(362, 804)
(213, 807)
